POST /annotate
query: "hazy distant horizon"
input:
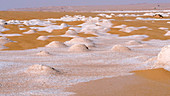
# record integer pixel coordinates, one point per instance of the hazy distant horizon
(4, 5)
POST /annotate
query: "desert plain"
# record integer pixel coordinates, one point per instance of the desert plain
(98, 53)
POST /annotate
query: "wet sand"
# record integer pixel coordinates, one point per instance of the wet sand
(154, 82)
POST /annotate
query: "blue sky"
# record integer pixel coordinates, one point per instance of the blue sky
(8, 4)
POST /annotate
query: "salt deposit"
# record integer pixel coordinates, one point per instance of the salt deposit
(36, 22)
(120, 26)
(133, 42)
(79, 48)
(71, 32)
(42, 70)
(50, 28)
(2, 22)
(14, 22)
(3, 29)
(167, 34)
(163, 28)
(120, 48)
(10, 35)
(130, 29)
(29, 32)
(4, 40)
(152, 19)
(56, 44)
(152, 14)
(68, 18)
(22, 28)
(163, 59)
(77, 29)
(42, 38)
(80, 40)
(43, 53)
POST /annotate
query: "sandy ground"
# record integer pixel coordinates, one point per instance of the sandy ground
(134, 85)
(97, 70)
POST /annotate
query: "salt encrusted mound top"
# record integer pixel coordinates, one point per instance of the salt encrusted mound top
(56, 44)
(71, 32)
(168, 33)
(2, 22)
(42, 70)
(163, 59)
(80, 40)
(133, 42)
(43, 53)
(4, 40)
(63, 25)
(79, 48)
(29, 32)
(120, 48)
(43, 38)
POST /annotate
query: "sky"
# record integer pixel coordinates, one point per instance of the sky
(8, 4)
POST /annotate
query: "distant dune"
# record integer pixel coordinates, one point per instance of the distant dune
(142, 6)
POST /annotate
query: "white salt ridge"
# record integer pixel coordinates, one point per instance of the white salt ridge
(128, 15)
(80, 40)
(96, 26)
(152, 14)
(36, 22)
(130, 29)
(120, 26)
(22, 28)
(43, 38)
(3, 29)
(135, 36)
(151, 19)
(14, 22)
(167, 34)
(10, 35)
(68, 18)
(50, 28)
(29, 32)
(163, 28)
(3, 41)
(56, 44)
(79, 48)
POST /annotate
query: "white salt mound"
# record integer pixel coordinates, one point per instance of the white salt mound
(63, 25)
(133, 42)
(120, 48)
(80, 40)
(71, 32)
(79, 48)
(43, 53)
(56, 44)
(163, 60)
(167, 34)
(42, 70)
(42, 38)
(29, 32)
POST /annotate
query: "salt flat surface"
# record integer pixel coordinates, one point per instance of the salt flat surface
(80, 59)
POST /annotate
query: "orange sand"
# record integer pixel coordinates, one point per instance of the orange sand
(154, 82)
